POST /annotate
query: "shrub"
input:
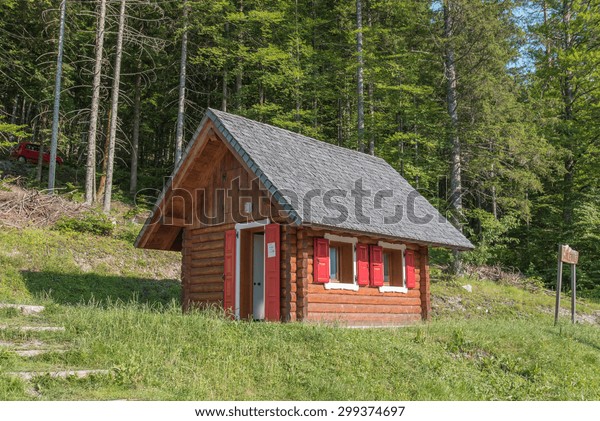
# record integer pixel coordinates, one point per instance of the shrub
(94, 223)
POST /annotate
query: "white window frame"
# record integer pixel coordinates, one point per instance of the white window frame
(402, 247)
(340, 285)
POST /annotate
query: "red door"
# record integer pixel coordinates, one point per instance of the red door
(229, 272)
(272, 273)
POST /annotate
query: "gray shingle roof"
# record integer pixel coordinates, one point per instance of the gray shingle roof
(317, 182)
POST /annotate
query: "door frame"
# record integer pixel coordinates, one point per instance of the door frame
(238, 228)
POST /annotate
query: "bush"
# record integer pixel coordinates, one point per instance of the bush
(93, 223)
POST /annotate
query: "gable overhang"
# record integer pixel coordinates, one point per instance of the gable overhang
(209, 127)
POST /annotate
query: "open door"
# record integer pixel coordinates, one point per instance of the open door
(258, 276)
(272, 273)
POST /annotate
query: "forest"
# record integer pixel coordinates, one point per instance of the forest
(489, 108)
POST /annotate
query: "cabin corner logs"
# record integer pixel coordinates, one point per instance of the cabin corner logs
(208, 279)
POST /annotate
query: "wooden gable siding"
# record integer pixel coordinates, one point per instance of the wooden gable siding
(218, 193)
(365, 307)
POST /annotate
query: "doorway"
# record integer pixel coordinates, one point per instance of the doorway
(258, 276)
(252, 271)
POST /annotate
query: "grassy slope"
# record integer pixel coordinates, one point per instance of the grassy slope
(512, 351)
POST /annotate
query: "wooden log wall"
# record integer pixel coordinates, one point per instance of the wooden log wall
(303, 264)
(365, 307)
(203, 264)
(425, 283)
(288, 273)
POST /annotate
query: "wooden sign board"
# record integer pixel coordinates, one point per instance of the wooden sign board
(568, 255)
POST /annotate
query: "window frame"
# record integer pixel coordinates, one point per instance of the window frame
(388, 248)
(337, 284)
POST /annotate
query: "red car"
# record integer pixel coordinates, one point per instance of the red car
(30, 152)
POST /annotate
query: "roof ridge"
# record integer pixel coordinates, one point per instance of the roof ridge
(304, 137)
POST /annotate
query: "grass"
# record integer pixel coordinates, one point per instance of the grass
(164, 355)
(72, 267)
(121, 313)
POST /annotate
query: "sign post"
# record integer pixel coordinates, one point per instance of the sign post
(566, 255)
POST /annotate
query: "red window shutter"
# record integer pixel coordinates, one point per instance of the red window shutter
(410, 268)
(272, 272)
(321, 261)
(376, 266)
(362, 264)
(229, 272)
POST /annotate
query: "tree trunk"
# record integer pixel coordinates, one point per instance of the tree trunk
(114, 110)
(372, 119)
(370, 93)
(182, 77)
(39, 171)
(27, 116)
(104, 162)
(400, 129)
(452, 107)
(40, 164)
(340, 124)
(224, 100)
(57, 87)
(567, 117)
(239, 75)
(136, 134)
(238, 87)
(13, 117)
(360, 78)
(90, 173)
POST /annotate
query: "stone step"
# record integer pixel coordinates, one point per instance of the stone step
(25, 309)
(31, 344)
(34, 328)
(36, 352)
(28, 375)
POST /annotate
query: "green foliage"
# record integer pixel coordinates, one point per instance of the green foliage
(93, 223)
(7, 130)
(491, 239)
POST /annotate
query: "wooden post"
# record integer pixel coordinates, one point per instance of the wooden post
(558, 284)
(573, 285)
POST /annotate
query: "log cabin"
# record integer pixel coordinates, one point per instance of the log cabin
(276, 226)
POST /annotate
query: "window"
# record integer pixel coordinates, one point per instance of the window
(341, 263)
(399, 267)
(386, 268)
(334, 269)
(393, 268)
(335, 263)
